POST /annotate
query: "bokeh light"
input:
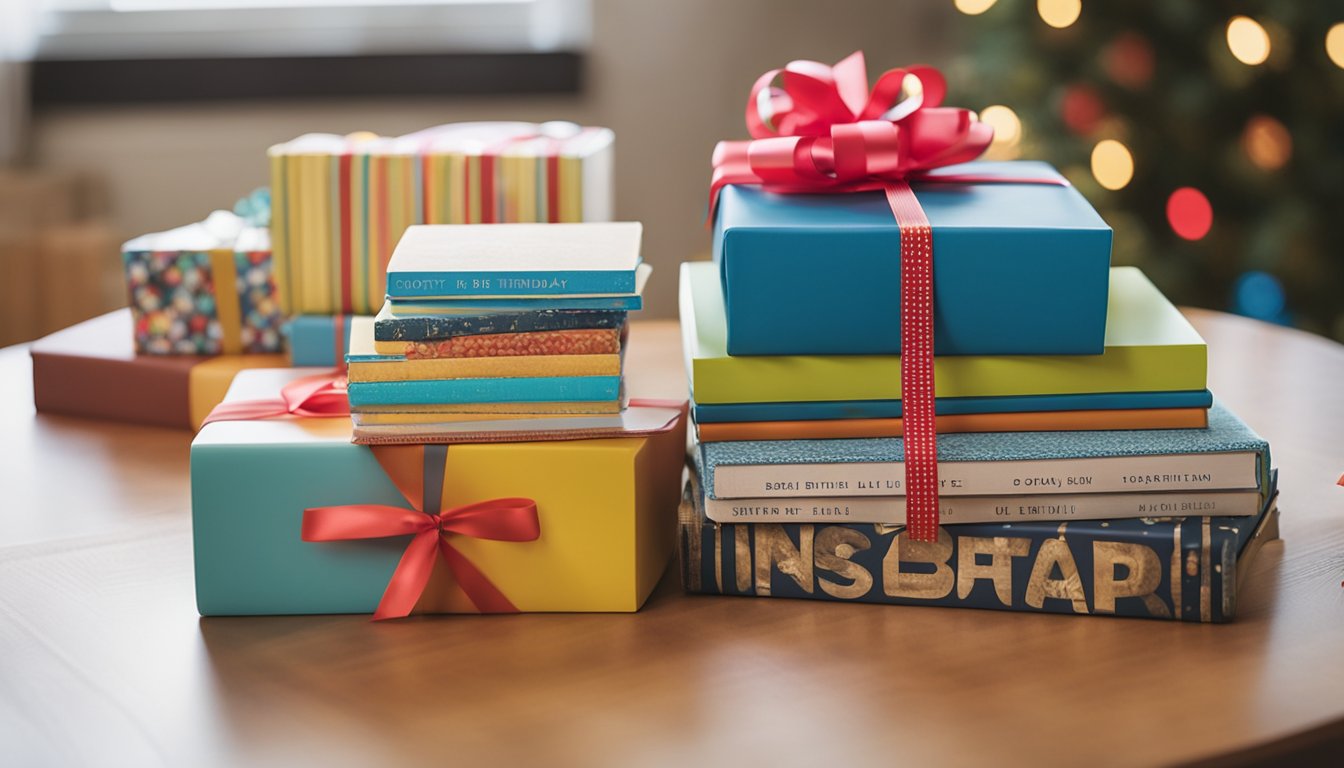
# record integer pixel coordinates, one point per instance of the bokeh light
(1334, 44)
(1129, 60)
(1189, 213)
(1259, 294)
(1112, 164)
(1081, 108)
(1267, 143)
(1059, 13)
(1007, 127)
(1247, 40)
(974, 7)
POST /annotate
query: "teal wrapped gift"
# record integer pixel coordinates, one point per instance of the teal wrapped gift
(319, 340)
(1019, 268)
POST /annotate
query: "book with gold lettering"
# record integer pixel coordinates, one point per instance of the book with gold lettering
(1175, 568)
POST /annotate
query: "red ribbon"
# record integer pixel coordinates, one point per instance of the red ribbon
(509, 519)
(819, 129)
(318, 396)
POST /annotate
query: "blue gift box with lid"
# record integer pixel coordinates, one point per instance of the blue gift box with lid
(1019, 268)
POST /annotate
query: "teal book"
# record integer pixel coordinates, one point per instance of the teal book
(509, 260)
(1228, 455)
(390, 327)
(1175, 568)
(550, 389)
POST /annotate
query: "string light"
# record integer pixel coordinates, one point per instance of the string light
(1189, 213)
(1334, 44)
(1267, 143)
(1112, 164)
(974, 7)
(1059, 13)
(1247, 40)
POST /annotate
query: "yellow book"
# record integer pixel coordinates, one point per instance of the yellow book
(279, 231)
(457, 177)
(334, 224)
(474, 202)
(359, 272)
(525, 168)
(370, 419)
(571, 189)
(513, 367)
(315, 233)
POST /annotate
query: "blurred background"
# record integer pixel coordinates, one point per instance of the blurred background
(1209, 134)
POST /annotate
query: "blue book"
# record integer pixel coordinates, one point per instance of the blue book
(1175, 568)
(557, 389)
(504, 260)
(458, 306)
(712, 413)
(318, 340)
(1018, 268)
(1227, 455)
(391, 327)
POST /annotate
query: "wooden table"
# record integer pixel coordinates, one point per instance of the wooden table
(104, 660)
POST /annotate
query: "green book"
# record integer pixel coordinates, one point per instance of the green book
(1150, 347)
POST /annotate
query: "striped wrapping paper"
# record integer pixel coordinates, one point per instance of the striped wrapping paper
(340, 203)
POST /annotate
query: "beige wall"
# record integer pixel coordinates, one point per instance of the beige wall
(669, 76)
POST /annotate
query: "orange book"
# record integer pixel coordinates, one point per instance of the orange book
(1039, 421)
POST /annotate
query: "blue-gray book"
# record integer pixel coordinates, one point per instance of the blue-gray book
(390, 327)
(1228, 455)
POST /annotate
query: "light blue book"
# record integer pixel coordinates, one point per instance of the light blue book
(1228, 455)
(719, 413)
(502, 260)
(550, 389)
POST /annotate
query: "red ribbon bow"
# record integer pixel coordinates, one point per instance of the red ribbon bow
(320, 395)
(509, 519)
(818, 128)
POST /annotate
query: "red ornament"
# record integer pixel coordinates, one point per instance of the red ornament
(1129, 61)
(1189, 213)
(1081, 109)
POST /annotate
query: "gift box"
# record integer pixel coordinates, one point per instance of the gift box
(1019, 267)
(318, 340)
(204, 289)
(92, 370)
(605, 516)
(341, 203)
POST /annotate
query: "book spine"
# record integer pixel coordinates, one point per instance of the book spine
(1109, 474)
(1179, 570)
(410, 285)
(447, 327)
(520, 390)
(890, 510)
(431, 306)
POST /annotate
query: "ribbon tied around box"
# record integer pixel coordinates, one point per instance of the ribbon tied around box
(432, 529)
(819, 129)
(317, 396)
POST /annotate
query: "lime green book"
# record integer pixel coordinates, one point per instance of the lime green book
(1150, 347)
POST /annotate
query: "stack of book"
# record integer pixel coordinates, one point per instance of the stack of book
(1084, 466)
(506, 332)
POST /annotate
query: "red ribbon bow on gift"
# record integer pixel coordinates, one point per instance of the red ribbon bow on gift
(509, 519)
(819, 129)
(320, 395)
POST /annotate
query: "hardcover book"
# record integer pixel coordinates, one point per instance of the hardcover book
(508, 260)
(1181, 568)
(1041, 421)
(1227, 455)
(1150, 347)
(453, 307)
(1021, 268)
(395, 328)
(498, 390)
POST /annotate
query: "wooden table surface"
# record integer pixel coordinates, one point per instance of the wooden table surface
(104, 660)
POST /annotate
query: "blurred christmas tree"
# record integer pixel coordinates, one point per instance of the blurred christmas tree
(1210, 135)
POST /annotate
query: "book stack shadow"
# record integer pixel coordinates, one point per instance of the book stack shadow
(1084, 465)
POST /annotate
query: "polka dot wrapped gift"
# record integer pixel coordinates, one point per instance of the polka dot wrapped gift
(204, 289)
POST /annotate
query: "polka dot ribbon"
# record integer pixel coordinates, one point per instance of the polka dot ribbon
(921, 438)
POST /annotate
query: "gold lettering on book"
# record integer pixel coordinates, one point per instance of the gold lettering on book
(834, 546)
(742, 557)
(920, 586)
(1143, 575)
(773, 545)
(1001, 551)
(1042, 584)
